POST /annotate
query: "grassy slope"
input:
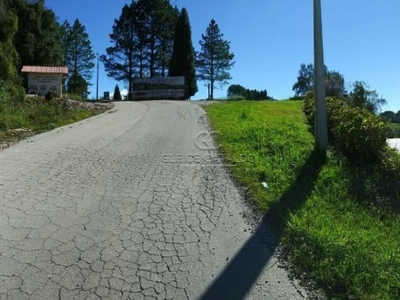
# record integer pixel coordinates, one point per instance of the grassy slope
(37, 115)
(335, 233)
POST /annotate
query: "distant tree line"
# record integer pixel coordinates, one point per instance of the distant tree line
(391, 116)
(238, 92)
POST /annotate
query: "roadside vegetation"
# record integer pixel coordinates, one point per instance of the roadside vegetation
(337, 215)
(22, 118)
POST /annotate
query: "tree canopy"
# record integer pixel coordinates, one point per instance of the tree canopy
(142, 40)
(214, 60)
(362, 96)
(29, 35)
(183, 57)
(78, 56)
(334, 82)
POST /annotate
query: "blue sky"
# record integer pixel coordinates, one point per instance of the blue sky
(270, 39)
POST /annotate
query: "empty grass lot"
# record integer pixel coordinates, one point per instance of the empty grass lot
(338, 221)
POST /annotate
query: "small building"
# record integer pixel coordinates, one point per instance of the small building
(44, 79)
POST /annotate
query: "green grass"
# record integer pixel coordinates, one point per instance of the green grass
(339, 222)
(37, 115)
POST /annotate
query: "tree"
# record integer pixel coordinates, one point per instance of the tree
(305, 80)
(117, 94)
(37, 40)
(154, 21)
(390, 116)
(334, 82)
(77, 85)
(126, 54)
(183, 58)
(215, 59)
(78, 54)
(363, 96)
(334, 85)
(236, 91)
(8, 54)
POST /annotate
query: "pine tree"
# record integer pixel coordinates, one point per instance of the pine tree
(142, 40)
(117, 94)
(183, 59)
(155, 22)
(79, 56)
(215, 59)
(121, 60)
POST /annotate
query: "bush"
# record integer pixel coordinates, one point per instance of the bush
(355, 132)
(50, 96)
(358, 133)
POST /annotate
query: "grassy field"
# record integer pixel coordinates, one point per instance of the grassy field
(338, 222)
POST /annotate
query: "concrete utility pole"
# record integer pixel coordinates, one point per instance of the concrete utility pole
(97, 79)
(321, 123)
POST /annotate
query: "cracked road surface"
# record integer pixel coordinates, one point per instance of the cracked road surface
(130, 204)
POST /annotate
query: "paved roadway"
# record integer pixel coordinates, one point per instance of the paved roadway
(131, 204)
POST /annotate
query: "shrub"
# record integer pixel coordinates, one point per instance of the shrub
(50, 96)
(358, 133)
(355, 132)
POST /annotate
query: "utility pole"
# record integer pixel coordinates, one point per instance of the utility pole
(321, 123)
(97, 79)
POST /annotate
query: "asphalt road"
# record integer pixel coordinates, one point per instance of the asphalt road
(130, 204)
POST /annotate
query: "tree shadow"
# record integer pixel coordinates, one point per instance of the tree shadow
(236, 280)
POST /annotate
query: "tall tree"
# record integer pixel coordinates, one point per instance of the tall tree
(78, 54)
(142, 41)
(120, 61)
(183, 58)
(168, 21)
(38, 37)
(363, 96)
(117, 93)
(214, 60)
(8, 54)
(334, 82)
(155, 22)
(305, 80)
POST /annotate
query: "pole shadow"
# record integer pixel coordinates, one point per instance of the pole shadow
(238, 277)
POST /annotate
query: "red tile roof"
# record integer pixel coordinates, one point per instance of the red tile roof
(43, 69)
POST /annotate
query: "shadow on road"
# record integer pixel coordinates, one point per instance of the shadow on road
(236, 280)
